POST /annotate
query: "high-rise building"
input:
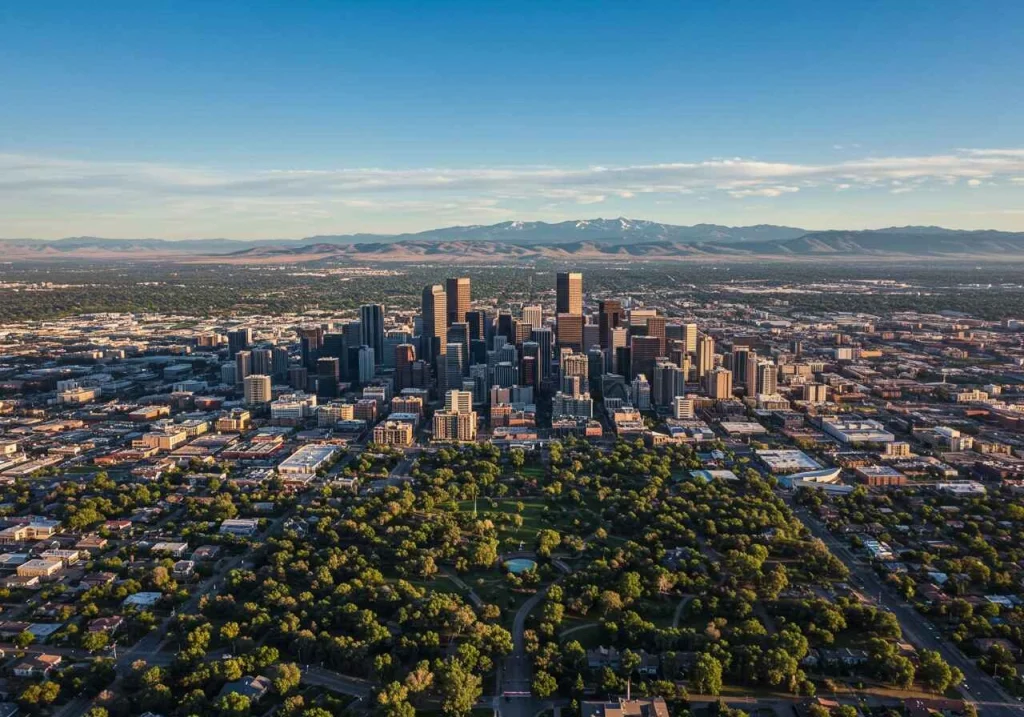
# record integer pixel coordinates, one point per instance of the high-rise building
(570, 331)
(504, 326)
(641, 393)
(367, 364)
(534, 316)
(450, 426)
(610, 315)
(591, 335)
(528, 371)
(298, 377)
(656, 328)
(682, 408)
(705, 355)
(476, 320)
(544, 338)
(458, 333)
(454, 365)
(458, 299)
(815, 393)
(257, 389)
(311, 339)
(690, 337)
(569, 293)
(520, 332)
(645, 350)
(576, 365)
(392, 340)
(738, 361)
(280, 362)
(767, 377)
(506, 374)
(371, 329)
(405, 356)
(480, 375)
(458, 401)
(623, 361)
(328, 373)
(263, 361)
(435, 321)
(393, 433)
(669, 382)
(718, 383)
(239, 340)
(243, 365)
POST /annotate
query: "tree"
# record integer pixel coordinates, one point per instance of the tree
(935, 673)
(24, 639)
(393, 701)
(460, 688)
(544, 685)
(233, 705)
(707, 675)
(229, 632)
(285, 677)
(902, 672)
(547, 540)
(93, 641)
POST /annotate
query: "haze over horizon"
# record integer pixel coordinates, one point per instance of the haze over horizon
(271, 120)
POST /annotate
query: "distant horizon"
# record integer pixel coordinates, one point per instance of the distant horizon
(809, 230)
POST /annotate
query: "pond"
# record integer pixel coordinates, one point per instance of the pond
(519, 565)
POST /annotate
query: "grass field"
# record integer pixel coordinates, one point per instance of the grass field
(533, 514)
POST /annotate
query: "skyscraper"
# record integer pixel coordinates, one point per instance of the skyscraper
(646, 349)
(458, 299)
(279, 363)
(545, 345)
(458, 401)
(257, 389)
(367, 364)
(243, 366)
(405, 356)
(475, 320)
(458, 333)
(534, 316)
(262, 361)
(656, 328)
(617, 338)
(454, 365)
(569, 293)
(311, 339)
(239, 340)
(328, 371)
(570, 331)
(718, 383)
(371, 329)
(435, 321)
(690, 337)
(705, 355)
(767, 377)
(610, 315)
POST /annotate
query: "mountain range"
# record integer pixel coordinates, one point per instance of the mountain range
(585, 239)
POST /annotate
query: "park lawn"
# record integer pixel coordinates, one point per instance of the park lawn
(586, 632)
(510, 536)
(660, 612)
(533, 472)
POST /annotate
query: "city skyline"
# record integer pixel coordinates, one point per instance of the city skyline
(148, 121)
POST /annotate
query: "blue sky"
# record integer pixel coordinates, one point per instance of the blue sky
(264, 119)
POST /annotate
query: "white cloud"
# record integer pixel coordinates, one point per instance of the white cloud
(762, 192)
(69, 193)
